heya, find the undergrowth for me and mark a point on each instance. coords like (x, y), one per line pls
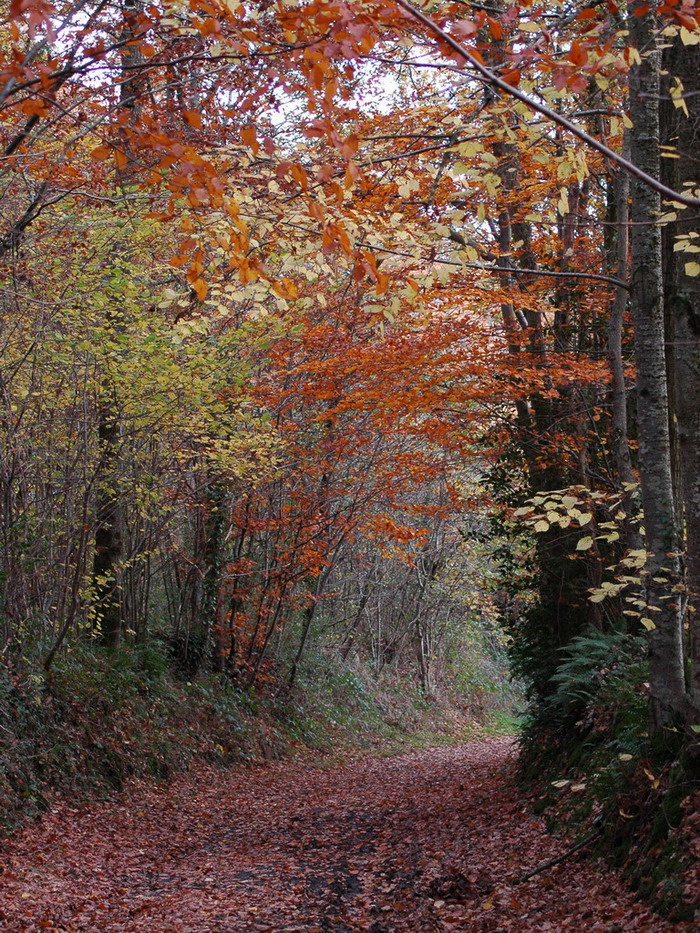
(336, 707)
(587, 749)
(99, 719)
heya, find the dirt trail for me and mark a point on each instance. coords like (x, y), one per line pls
(425, 842)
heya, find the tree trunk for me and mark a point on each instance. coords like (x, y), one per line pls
(666, 676)
(207, 626)
(109, 526)
(619, 434)
(109, 515)
(681, 129)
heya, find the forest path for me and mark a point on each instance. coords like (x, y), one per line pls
(429, 841)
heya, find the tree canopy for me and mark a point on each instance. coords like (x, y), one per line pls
(295, 293)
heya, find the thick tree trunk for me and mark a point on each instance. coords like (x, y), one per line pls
(666, 675)
(681, 130)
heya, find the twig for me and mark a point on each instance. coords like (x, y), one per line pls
(560, 858)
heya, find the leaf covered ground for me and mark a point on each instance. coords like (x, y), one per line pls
(430, 841)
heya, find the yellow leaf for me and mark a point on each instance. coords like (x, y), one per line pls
(688, 37)
(584, 544)
(563, 205)
(692, 269)
(647, 623)
(652, 777)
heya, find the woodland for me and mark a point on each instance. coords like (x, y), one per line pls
(350, 392)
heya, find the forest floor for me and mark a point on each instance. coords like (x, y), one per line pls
(435, 840)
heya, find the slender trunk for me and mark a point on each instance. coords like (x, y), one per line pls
(308, 617)
(619, 435)
(208, 617)
(109, 514)
(109, 527)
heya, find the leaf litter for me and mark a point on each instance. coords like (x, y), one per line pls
(430, 841)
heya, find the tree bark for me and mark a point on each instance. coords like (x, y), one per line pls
(680, 129)
(666, 675)
(619, 431)
(110, 509)
(109, 526)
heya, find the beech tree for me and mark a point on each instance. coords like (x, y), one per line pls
(274, 273)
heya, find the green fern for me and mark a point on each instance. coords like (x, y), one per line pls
(595, 664)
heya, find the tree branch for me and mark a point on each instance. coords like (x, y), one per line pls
(493, 79)
(14, 235)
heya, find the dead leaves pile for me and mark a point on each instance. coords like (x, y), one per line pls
(430, 841)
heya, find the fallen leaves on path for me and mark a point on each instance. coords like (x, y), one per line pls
(430, 841)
